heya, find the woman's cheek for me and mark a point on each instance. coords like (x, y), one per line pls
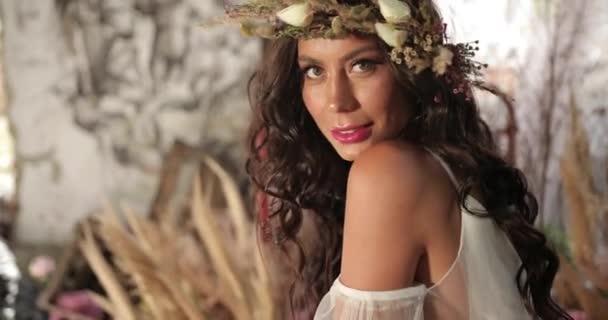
(313, 102)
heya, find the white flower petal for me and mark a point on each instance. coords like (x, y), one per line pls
(388, 33)
(394, 11)
(297, 15)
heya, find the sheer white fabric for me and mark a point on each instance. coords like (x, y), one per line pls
(479, 285)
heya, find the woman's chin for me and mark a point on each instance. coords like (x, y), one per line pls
(350, 152)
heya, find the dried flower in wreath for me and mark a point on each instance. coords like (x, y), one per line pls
(416, 36)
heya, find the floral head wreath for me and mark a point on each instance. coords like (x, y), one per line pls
(417, 37)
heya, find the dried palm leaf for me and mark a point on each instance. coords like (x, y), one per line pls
(192, 271)
(207, 229)
(123, 309)
(234, 200)
(245, 236)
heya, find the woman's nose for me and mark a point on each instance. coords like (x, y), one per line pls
(340, 93)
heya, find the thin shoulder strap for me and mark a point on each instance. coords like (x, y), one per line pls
(446, 168)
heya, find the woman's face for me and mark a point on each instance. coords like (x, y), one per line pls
(351, 93)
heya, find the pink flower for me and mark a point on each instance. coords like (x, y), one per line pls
(79, 302)
(41, 267)
(578, 315)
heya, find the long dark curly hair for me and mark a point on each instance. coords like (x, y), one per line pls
(292, 162)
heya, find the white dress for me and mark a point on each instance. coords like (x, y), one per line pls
(479, 285)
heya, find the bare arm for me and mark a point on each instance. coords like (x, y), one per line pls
(384, 230)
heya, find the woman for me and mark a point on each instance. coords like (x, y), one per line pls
(365, 125)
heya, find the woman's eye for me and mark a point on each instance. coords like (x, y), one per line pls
(313, 72)
(364, 66)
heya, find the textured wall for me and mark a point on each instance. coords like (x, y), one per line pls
(99, 89)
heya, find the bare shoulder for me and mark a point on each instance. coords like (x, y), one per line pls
(386, 210)
(397, 164)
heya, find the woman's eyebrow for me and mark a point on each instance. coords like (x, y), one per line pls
(359, 51)
(303, 59)
(346, 57)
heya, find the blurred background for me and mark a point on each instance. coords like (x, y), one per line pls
(110, 109)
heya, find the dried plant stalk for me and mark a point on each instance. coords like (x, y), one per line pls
(245, 236)
(236, 208)
(120, 300)
(152, 269)
(207, 228)
(585, 204)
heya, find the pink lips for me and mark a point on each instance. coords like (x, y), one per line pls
(352, 134)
